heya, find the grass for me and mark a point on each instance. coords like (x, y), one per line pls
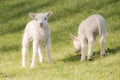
(66, 18)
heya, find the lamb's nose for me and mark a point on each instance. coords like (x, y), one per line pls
(41, 24)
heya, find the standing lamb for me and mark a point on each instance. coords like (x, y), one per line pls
(39, 32)
(87, 32)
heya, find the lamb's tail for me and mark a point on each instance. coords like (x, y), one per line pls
(99, 27)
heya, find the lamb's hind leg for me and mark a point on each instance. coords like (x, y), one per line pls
(83, 49)
(91, 41)
(25, 46)
(40, 53)
(102, 44)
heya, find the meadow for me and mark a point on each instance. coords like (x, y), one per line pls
(67, 15)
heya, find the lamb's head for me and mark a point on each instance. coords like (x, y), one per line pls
(42, 18)
(76, 43)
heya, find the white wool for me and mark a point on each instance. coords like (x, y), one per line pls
(87, 32)
(39, 32)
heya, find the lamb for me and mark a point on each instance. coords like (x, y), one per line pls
(88, 30)
(39, 32)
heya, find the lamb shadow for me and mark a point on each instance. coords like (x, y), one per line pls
(113, 50)
(76, 57)
(72, 58)
(110, 50)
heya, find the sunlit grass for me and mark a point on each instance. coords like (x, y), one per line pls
(67, 15)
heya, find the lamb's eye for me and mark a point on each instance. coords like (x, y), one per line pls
(45, 18)
(36, 19)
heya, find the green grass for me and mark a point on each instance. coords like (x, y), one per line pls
(67, 15)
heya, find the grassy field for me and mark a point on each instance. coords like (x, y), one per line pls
(67, 15)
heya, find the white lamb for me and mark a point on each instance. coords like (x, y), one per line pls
(39, 32)
(87, 32)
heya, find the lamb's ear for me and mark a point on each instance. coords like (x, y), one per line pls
(73, 37)
(32, 15)
(48, 14)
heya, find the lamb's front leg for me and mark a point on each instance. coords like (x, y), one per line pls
(83, 50)
(83, 53)
(48, 50)
(35, 51)
(25, 45)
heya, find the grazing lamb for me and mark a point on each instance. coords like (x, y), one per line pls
(87, 32)
(39, 32)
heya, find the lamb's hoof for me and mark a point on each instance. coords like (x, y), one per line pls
(50, 62)
(89, 58)
(82, 59)
(23, 64)
(41, 61)
(32, 66)
(102, 55)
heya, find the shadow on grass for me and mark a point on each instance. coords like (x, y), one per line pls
(28, 6)
(19, 12)
(78, 8)
(9, 48)
(72, 58)
(110, 50)
(113, 50)
(96, 55)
